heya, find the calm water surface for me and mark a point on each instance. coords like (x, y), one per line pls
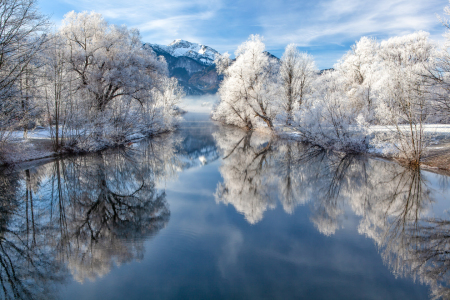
(216, 213)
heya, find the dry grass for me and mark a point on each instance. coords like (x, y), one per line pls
(438, 158)
(31, 149)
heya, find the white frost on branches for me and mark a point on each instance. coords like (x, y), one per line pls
(247, 92)
(400, 84)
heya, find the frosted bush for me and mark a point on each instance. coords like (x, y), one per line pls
(331, 120)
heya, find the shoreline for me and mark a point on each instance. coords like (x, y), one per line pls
(38, 147)
(437, 160)
(23, 151)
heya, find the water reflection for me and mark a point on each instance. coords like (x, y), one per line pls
(102, 211)
(426, 255)
(27, 265)
(394, 203)
(247, 177)
(258, 170)
(77, 218)
(81, 215)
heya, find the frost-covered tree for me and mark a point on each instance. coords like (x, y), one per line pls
(404, 102)
(439, 76)
(161, 114)
(359, 68)
(102, 87)
(108, 59)
(222, 62)
(330, 120)
(56, 88)
(297, 74)
(21, 38)
(248, 89)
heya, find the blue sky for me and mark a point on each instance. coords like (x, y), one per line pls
(324, 28)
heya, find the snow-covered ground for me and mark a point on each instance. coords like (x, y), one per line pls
(41, 133)
(37, 145)
(439, 134)
(428, 128)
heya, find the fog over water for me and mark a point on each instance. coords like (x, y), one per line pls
(200, 104)
(213, 212)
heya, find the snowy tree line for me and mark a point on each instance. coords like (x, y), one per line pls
(91, 82)
(397, 85)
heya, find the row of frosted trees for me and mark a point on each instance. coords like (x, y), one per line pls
(92, 83)
(378, 95)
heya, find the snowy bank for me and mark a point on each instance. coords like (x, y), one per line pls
(37, 145)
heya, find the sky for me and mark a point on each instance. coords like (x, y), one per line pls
(323, 28)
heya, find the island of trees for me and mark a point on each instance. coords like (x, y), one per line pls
(380, 96)
(94, 86)
(92, 83)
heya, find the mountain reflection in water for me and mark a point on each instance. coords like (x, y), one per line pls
(78, 218)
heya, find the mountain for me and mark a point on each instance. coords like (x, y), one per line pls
(200, 53)
(272, 56)
(192, 64)
(325, 70)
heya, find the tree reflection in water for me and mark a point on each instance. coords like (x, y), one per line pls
(27, 266)
(393, 202)
(247, 183)
(82, 215)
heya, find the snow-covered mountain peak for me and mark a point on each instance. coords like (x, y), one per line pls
(198, 52)
(180, 42)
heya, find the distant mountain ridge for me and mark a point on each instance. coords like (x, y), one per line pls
(192, 64)
(200, 53)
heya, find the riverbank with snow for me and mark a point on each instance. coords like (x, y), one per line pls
(436, 155)
(38, 145)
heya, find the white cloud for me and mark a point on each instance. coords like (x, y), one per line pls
(158, 21)
(337, 21)
(224, 24)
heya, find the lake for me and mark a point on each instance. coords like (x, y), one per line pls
(213, 212)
